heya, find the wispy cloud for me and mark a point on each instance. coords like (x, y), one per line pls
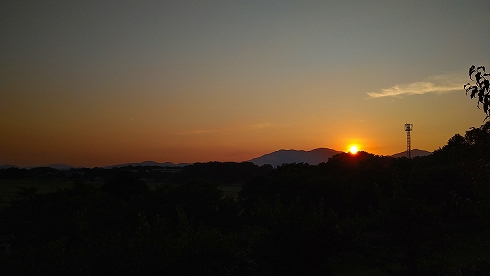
(436, 84)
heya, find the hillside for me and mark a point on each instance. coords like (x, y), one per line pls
(414, 153)
(312, 157)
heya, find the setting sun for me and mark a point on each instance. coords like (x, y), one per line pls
(353, 149)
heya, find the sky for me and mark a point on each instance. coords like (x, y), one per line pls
(96, 83)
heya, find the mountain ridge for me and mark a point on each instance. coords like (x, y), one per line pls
(413, 153)
(147, 163)
(275, 158)
(283, 156)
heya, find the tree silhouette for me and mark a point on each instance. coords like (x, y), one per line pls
(481, 87)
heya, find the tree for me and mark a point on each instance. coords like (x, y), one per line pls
(481, 87)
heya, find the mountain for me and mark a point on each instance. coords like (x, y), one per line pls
(147, 163)
(413, 153)
(313, 157)
(63, 167)
(60, 167)
(7, 167)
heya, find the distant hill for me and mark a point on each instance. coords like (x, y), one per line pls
(61, 167)
(7, 167)
(413, 153)
(313, 157)
(147, 163)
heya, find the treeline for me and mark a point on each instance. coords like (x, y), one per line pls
(223, 173)
(92, 175)
(354, 215)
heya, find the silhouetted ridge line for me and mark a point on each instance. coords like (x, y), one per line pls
(414, 153)
(313, 157)
(147, 163)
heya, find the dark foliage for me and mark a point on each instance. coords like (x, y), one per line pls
(355, 214)
(481, 88)
(219, 173)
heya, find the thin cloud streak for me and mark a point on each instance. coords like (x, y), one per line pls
(438, 84)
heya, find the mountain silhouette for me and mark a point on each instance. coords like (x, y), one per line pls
(313, 157)
(60, 167)
(3, 167)
(276, 158)
(147, 163)
(413, 153)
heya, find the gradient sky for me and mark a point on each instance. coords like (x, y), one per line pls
(95, 83)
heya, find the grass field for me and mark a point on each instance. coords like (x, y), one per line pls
(9, 189)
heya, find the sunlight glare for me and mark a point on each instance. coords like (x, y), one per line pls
(353, 149)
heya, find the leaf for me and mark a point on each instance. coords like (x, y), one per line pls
(478, 76)
(481, 93)
(481, 67)
(486, 85)
(473, 92)
(471, 71)
(485, 106)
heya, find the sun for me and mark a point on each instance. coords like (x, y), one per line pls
(353, 149)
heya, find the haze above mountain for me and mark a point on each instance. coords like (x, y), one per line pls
(276, 158)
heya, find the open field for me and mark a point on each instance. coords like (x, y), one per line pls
(9, 189)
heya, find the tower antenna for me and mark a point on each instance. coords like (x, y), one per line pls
(408, 128)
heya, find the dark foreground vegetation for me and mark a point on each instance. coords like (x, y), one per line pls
(354, 215)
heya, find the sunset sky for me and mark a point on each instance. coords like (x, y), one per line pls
(96, 83)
